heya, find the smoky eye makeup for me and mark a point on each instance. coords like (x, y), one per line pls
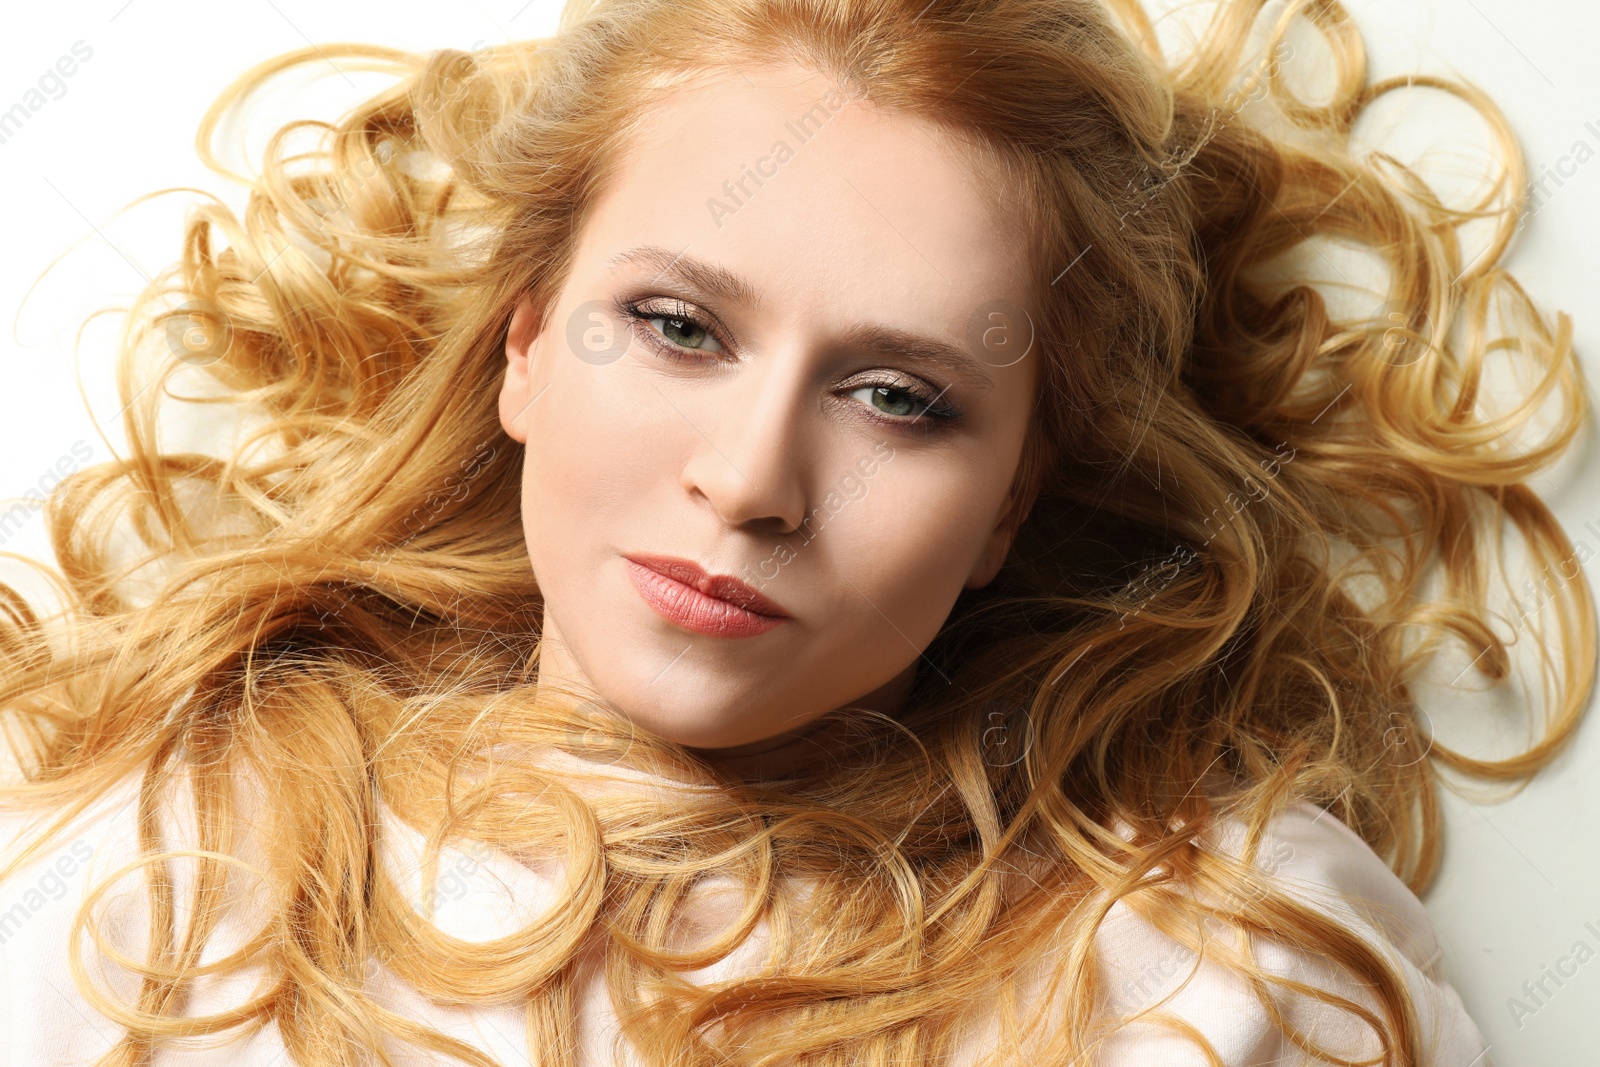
(681, 333)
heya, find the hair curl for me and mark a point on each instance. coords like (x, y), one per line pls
(1206, 613)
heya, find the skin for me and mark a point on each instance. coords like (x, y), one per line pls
(878, 218)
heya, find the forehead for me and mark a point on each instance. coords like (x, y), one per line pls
(821, 201)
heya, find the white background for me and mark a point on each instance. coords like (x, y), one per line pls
(1520, 876)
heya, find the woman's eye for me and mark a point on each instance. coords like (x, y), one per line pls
(678, 331)
(905, 407)
(890, 401)
(676, 336)
(686, 333)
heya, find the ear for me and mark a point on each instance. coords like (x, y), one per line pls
(516, 395)
(1012, 515)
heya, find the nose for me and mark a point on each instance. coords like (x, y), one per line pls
(748, 463)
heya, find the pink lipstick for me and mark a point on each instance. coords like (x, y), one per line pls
(719, 605)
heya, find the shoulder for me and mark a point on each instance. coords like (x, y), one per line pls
(95, 859)
(1323, 864)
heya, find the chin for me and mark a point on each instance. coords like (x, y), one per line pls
(678, 717)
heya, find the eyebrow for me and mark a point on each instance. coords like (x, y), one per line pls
(724, 284)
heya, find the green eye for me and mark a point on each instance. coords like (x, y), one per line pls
(673, 334)
(685, 333)
(890, 401)
(906, 404)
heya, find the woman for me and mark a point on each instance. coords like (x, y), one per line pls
(788, 533)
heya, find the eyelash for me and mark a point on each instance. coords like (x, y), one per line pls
(934, 416)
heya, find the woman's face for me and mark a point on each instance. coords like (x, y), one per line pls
(821, 391)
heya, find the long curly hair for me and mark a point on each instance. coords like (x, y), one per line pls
(1212, 610)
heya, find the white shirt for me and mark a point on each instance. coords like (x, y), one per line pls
(482, 893)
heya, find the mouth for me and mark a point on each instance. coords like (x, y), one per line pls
(717, 605)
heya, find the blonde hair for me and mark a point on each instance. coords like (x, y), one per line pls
(343, 608)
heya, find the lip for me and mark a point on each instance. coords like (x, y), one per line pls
(718, 605)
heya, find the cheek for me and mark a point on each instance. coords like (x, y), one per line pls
(909, 551)
(595, 451)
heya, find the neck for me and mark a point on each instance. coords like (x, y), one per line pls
(808, 746)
